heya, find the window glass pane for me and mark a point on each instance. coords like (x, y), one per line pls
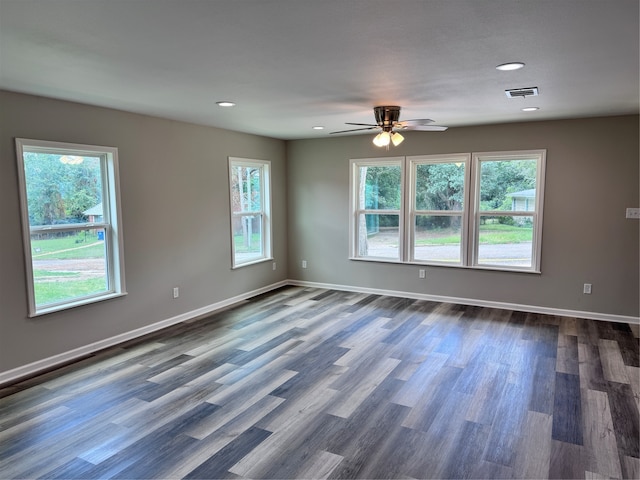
(62, 189)
(379, 236)
(440, 186)
(247, 238)
(506, 241)
(68, 265)
(437, 238)
(379, 187)
(508, 185)
(246, 189)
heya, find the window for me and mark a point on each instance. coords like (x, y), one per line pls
(378, 213)
(250, 211)
(481, 211)
(507, 225)
(438, 208)
(71, 224)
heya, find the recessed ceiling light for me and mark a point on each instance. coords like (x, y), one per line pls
(510, 66)
(225, 103)
(318, 127)
(530, 109)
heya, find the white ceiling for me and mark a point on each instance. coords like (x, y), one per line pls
(293, 64)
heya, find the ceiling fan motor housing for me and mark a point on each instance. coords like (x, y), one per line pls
(387, 116)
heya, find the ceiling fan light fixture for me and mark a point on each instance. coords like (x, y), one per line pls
(382, 139)
(396, 139)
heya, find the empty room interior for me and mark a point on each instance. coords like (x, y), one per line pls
(331, 239)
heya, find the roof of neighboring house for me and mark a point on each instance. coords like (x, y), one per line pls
(523, 194)
(95, 210)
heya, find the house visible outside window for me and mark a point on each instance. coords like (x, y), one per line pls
(507, 225)
(481, 210)
(249, 183)
(71, 224)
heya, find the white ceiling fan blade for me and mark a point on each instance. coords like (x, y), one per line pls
(426, 128)
(355, 130)
(415, 122)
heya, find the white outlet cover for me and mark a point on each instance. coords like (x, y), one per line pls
(633, 213)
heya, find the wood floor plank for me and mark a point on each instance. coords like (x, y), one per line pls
(218, 464)
(306, 382)
(612, 363)
(567, 460)
(634, 377)
(285, 430)
(466, 460)
(534, 455)
(600, 438)
(320, 465)
(630, 466)
(567, 358)
(567, 409)
(211, 444)
(625, 418)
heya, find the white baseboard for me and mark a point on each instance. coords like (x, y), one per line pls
(10, 376)
(51, 362)
(475, 302)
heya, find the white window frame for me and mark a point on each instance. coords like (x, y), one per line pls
(111, 222)
(536, 248)
(413, 212)
(265, 201)
(471, 212)
(356, 211)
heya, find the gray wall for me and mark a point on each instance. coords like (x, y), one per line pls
(591, 177)
(175, 208)
(176, 229)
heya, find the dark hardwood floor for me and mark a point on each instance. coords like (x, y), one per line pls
(310, 383)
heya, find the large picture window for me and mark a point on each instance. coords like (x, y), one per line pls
(71, 224)
(249, 184)
(481, 210)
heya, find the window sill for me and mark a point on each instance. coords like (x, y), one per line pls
(496, 268)
(253, 262)
(77, 303)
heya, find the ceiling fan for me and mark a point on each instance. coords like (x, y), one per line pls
(388, 119)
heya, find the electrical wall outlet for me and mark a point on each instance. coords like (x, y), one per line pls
(421, 273)
(304, 264)
(633, 213)
(586, 289)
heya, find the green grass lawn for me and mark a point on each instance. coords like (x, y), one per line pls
(52, 292)
(76, 246)
(239, 246)
(494, 233)
(65, 286)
